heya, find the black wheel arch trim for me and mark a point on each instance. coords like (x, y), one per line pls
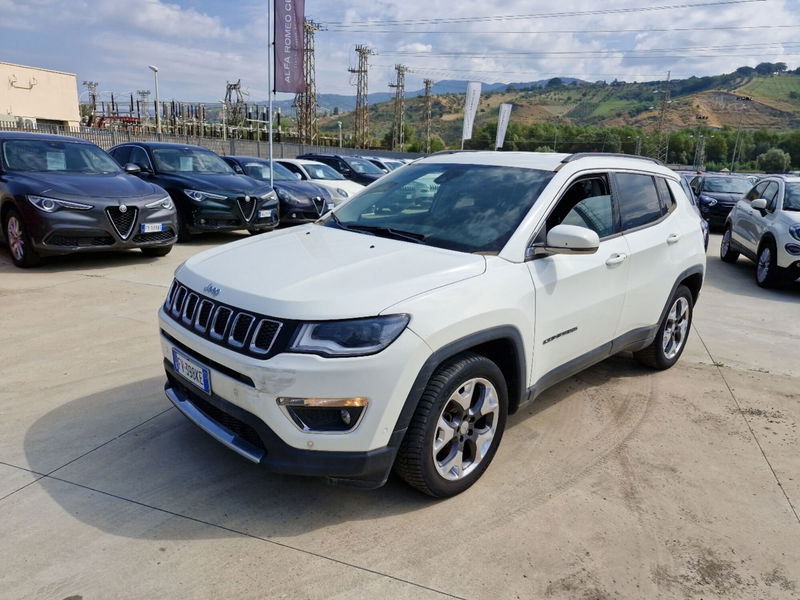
(503, 333)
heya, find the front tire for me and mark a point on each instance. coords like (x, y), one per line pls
(670, 340)
(457, 427)
(156, 251)
(768, 273)
(19, 242)
(726, 253)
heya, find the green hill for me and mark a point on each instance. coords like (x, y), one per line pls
(745, 100)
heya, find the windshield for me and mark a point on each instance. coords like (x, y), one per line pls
(791, 201)
(393, 164)
(260, 170)
(359, 165)
(320, 171)
(189, 160)
(470, 208)
(57, 157)
(731, 185)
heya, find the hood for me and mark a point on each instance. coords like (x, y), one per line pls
(69, 186)
(313, 272)
(303, 189)
(222, 183)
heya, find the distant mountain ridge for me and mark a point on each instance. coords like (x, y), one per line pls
(346, 103)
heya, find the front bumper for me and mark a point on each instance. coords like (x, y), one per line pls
(67, 231)
(226, 215)
(247, 388)
(717, 214)
(247, 435)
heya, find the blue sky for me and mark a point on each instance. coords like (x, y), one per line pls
(199, 44)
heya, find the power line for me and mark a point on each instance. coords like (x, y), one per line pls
(561, 31)
(510, 54)
(575, 13)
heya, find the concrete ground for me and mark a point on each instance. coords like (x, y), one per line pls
(618, 483)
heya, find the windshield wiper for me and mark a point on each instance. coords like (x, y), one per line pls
(410, 236)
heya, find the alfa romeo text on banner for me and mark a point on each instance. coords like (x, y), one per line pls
(470, 108)
(289, 46)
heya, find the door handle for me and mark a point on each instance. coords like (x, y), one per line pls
(673, 237)
(616, 259)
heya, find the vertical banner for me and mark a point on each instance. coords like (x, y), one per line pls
(502, 125)
(289, 46)
(470, 108)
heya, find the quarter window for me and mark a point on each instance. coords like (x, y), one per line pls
(756, 192)
(139, 157)
(638, 200)
(667, 200)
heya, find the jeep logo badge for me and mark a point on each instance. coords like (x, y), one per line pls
(212, 289)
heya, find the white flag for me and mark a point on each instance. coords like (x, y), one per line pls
(470, 108)
(502, 125)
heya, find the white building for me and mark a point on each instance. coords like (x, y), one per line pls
(34, 97)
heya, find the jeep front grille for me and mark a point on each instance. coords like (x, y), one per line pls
(243, 331)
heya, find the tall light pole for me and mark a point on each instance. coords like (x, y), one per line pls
(154, 69)
(339, 124)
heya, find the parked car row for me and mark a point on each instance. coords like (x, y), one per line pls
(61, 195)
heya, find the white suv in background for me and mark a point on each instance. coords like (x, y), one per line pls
(400, 331)
(765, 227)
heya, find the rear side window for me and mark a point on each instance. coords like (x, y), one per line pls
(638, 200)
(667, 200)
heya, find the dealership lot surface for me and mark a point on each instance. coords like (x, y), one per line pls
(618, 483)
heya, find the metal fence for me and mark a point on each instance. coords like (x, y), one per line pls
(106, 138)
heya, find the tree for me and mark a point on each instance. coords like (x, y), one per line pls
(555, 82)
(543, 149)
(745, 70)
(780, 67)
(335, 110)
(774, 160)
(765, 68)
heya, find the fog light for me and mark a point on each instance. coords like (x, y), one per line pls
(793, 249)
(329, 415)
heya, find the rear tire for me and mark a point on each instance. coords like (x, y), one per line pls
(670, 340)
(156, 251)
(19, 242)
(726, 252)
(768, 273)
(456, 428)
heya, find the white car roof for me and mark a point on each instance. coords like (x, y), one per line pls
(550, 161)
(300, 161)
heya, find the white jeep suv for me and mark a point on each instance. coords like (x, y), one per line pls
(765, 227)
(399, 332)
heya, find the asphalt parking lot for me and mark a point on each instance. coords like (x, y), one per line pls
(618, 483)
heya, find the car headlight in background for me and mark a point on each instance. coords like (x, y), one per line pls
(355, 337)
(199, 196)
(289, 197)
(342, 193)
(794, 231)
(165, 203)
(707, 200)
(49, 205)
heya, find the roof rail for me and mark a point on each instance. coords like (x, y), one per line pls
(440, 152)
(578, 155)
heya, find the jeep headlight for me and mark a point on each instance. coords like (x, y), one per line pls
(355, 337)
(708, 200)
(794, 231)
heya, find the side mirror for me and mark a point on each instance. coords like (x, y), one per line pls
(759, 204)
(566, 239)
(238, 169)
(132, 169)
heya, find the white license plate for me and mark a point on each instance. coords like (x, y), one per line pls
(331, 206)
(191, 371)
(264, 214)
(152, 227)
